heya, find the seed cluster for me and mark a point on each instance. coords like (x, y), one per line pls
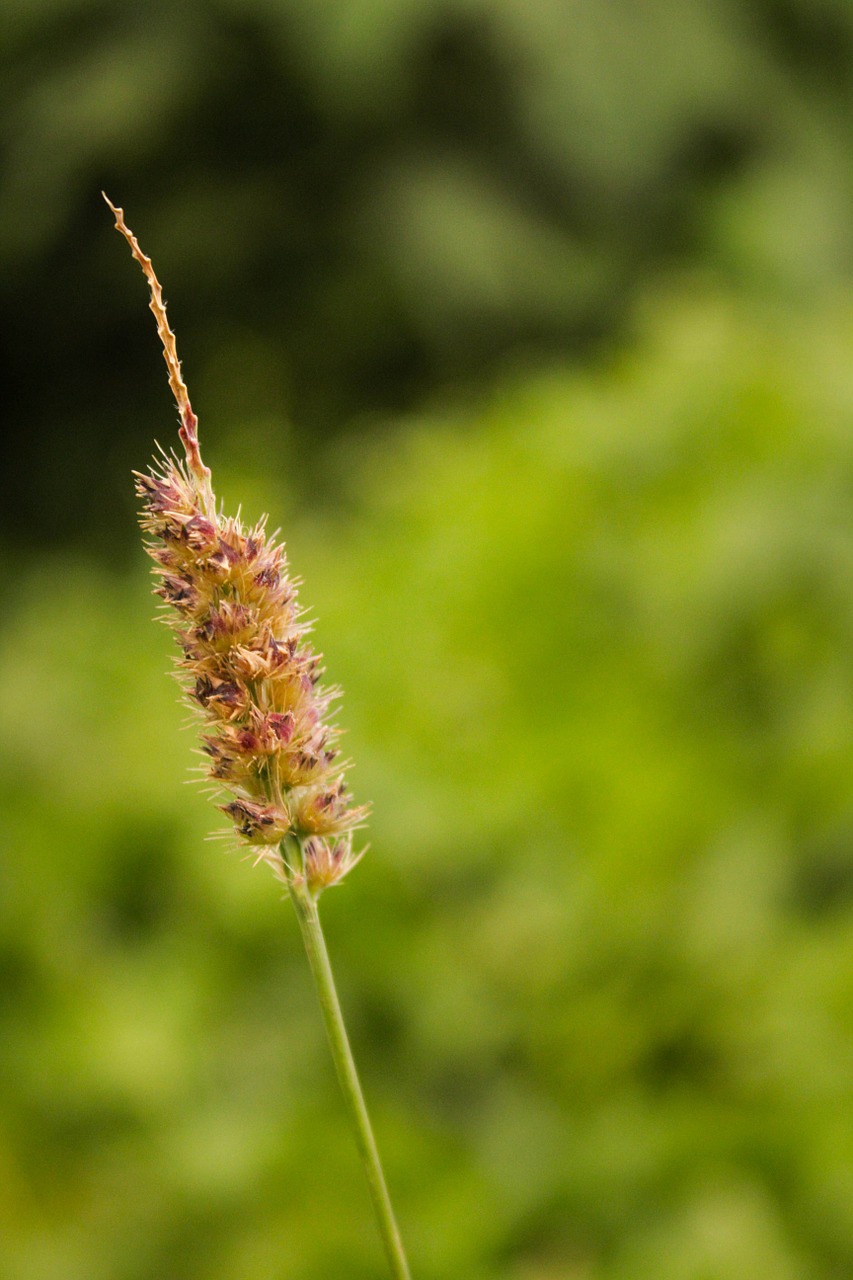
(246, 664)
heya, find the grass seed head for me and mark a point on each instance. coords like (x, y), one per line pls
(246, 665)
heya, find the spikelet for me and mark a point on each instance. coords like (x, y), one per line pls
(246, 666)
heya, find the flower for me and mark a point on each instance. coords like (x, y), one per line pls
(246, 664)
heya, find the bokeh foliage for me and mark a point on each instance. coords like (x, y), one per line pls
(353, 205)
(530, 323)
(595, 640)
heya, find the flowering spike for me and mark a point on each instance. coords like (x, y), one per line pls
(245, 664)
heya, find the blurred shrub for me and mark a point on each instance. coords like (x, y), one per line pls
(595, 643)
(352, 205)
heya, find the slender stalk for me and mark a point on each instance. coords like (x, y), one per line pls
(318, 958)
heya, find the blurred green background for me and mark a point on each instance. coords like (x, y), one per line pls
(531, 323)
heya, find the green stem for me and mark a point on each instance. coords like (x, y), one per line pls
(318, 958)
